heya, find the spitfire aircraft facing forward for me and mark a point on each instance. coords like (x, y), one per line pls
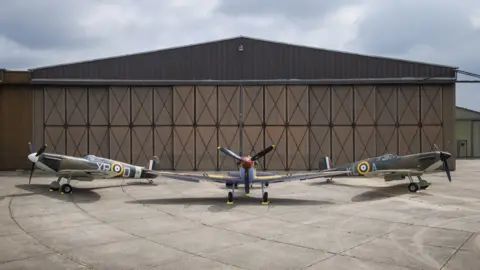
(87, 168)
(392, 167)
(247, 174)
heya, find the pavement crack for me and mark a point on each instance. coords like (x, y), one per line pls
(456, 251)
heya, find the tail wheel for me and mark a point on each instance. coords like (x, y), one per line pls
(230, 196)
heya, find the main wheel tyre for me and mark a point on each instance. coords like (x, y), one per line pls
(413, 187)
(230, 197)
(265, 197)
(66, 188)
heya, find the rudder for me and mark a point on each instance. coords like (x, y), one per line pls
(152, 163)
(325, 164)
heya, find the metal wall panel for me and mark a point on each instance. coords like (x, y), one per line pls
(258, 59)
(182, 125)
(16, 122)
(206, 148)
(163, 140)
(184, 148)
(206, 105)
(229, 105)
(476, 139)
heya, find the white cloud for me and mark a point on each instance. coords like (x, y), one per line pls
(35, 34)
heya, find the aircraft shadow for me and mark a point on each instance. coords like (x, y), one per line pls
(380, 193)
(80, 194)
(216, 202)
(377, 193)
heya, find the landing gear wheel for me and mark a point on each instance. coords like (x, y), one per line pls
(230, 198)
(413, 187)
(66, 188)
(266, 184)
(265, 198)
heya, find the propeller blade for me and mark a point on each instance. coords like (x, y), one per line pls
(31, 173)
(447, 170)
(263, 152)
(41, 150)
(228, 152)
(444, 156)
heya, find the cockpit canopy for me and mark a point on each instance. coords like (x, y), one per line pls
(92, 158)
(386, 157)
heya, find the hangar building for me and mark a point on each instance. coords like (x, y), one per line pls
(467, 133)
(243, 93)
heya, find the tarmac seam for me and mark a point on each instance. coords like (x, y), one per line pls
(456, 251)
(46, 246)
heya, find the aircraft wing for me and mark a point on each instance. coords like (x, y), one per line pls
(405, 172)
(213, 177)
(294, 177)
(85, 173)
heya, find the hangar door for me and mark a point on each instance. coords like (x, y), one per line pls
(183, 125)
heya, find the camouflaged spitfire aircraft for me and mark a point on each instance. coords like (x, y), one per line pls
(393, 167)
(87, 168)
(247, 174)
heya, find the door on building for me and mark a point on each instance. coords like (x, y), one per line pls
(462, 146)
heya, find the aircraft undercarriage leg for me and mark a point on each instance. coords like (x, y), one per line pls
(423, 184)
(231, 194)
(55, 185)
(66, 188)
(412, 187)
(265, 195)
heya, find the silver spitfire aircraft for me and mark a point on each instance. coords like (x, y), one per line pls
(87, 168)
(248, 175)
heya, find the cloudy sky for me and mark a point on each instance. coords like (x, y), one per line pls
(37, 33)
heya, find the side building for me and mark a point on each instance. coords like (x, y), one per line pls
(468, 133)
(243, 93)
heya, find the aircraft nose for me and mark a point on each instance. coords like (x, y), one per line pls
(445, 155)
(33, 158)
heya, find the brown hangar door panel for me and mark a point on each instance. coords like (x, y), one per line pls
(129, 124)
(15, 127)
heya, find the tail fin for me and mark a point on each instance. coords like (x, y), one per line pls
(325, 164)
(152, 163)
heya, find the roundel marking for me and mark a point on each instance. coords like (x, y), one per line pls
(363, 167)
(118, 168)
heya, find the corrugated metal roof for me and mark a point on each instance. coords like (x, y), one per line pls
(243, 58)
(462, 113)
